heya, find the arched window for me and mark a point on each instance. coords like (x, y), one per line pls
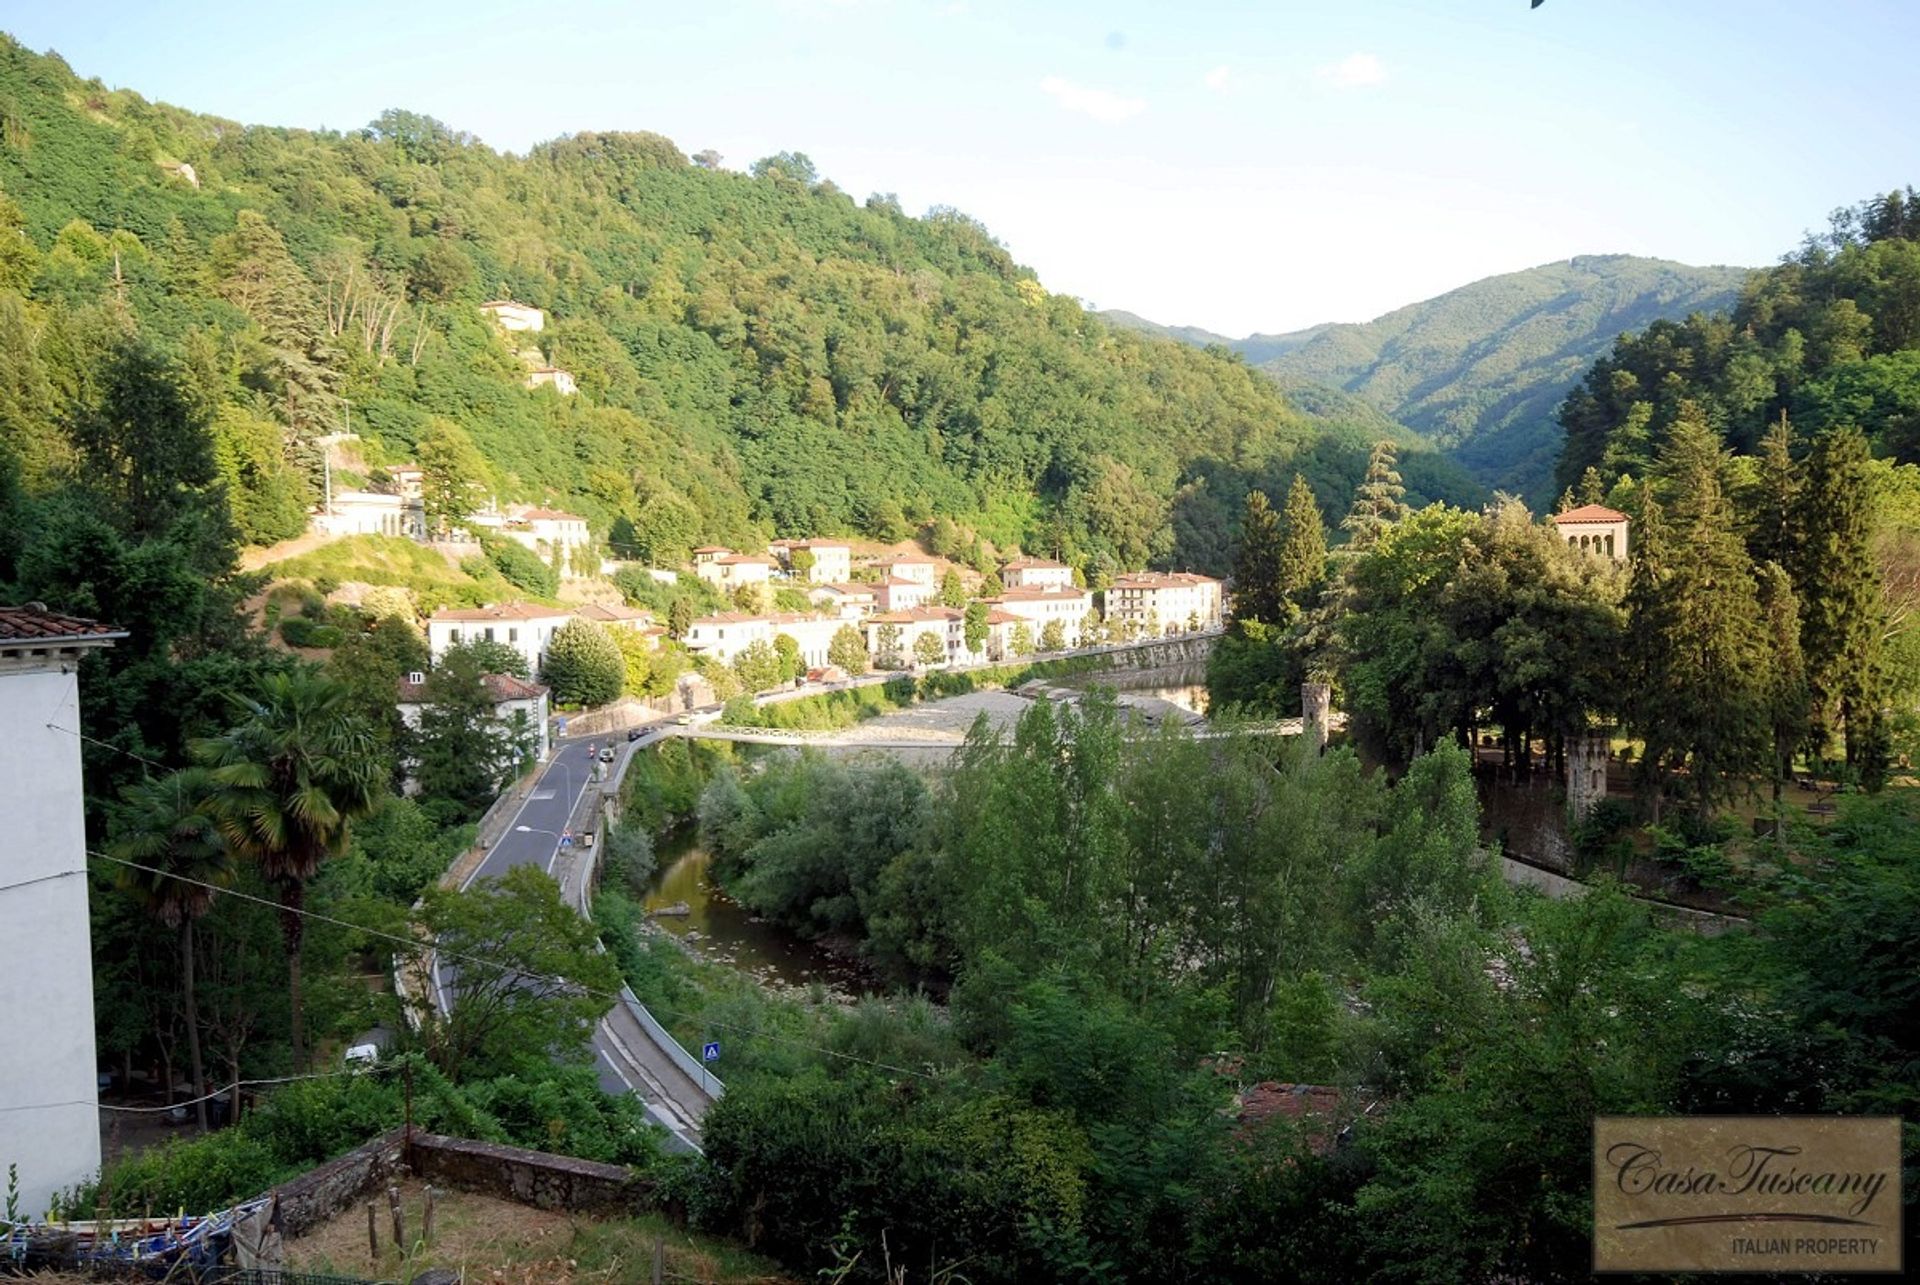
(1609, 544)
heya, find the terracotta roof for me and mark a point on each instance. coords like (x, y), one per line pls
(34, 623)
(1034, 593)
(502, 687)
(744, 559)
(995, 616)
(498, 611)
(904, 560)
(847, 589)
(728, 618)
(1161, 580)
(909, 615)
(713, 548)
(1590, 513)
(1047, 563)
(551, 515)
(808, 544)
(609, 613)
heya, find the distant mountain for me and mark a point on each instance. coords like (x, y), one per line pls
(1481, 370)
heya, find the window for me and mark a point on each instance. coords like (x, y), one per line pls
(489, 633)
(453, 636)
(513, 635)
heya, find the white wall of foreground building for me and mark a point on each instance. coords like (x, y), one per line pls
(49, 1113)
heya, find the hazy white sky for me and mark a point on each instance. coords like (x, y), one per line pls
(1241, 166)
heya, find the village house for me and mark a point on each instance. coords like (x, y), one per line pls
(846, 600)
(509, 315)
(520, 625)
(726, 634)
(49, 1118)
(709, 552)
(616, 616)
(896, 594)
(1157, 603)
(812, 634)
(947, 624)
(547, 531)
(518, 703)
(406, 480)
(372, 513)
(1042, 607)
(1001, 625)
(1036, 573)
(832, 560)
(728, 571)
(561, 381)
(906, 567)
(1594, 528)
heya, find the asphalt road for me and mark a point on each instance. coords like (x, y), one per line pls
(626, 1058)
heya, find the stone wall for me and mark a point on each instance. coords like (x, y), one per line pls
(531, 1177)
(336, 1186)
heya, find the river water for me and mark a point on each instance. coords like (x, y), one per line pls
(721, 929)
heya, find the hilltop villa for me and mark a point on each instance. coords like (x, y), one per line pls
(1594, 528)
(520, 625)
(1163, 602)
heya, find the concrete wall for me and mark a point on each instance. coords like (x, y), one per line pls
(530, 1177)
(333, 1188)
(47, 1060)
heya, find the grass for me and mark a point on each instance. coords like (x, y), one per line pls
(393, 560)
(487, 1239)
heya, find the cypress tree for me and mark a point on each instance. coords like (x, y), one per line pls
(1303, 548)
(1593, 488)
(1698, 653)
(1772, 502)
(1377, 501)
(1838, 581)
(1257, 593)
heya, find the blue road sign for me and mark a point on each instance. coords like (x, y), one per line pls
(566, 838)
(560, 726)
(710, 1051)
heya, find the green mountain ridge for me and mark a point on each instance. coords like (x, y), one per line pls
(1481, 370)
(757, 354)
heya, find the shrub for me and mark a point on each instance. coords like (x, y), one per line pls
(523, 568)
(300, 631)
(584, 665)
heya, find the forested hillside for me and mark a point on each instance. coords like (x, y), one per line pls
(756, 354)
(1480, 370)
(1829, 337)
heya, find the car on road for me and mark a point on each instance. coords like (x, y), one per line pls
(634, 734)
(606, 755)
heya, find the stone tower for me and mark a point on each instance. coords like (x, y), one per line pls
(1316, 707)
(1586, 774)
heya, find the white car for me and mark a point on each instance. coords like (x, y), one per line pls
(363, 1055)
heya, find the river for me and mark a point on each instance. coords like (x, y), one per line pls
(721, 929)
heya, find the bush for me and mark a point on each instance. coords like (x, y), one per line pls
(584, 665)
(301, 631)
(523, 568)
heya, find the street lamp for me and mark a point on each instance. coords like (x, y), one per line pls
(557, 841)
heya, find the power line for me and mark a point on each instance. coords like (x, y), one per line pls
(174, 1106)
(414, 943)
(109, 745)
(28, 883)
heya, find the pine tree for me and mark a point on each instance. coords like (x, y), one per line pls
(1377, 502)
(1565, 502)
(1256, 569)
(1786, 675)
(1303, 547)
(1593, 487)
(1838, 581)
(1772, 501)
(1698, 657)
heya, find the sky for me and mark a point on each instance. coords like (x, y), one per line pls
(1254, 166)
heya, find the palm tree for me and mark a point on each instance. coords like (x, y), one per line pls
(290, 779)
(168, 827)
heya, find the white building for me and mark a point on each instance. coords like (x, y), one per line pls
(1164, 602)
(849, 601)
(709, 552)
(1042, 607)
(895, 594)
(1036, 573)
(545, 531)
(812, 634)
(509, 315)
(520, 625)
(832, 560)
(407, 480)
(905, 567)
(729, 571)
(726, 634)
(515, 700)
(947, 624)
(49, 1112)
(561, 381)
(1594, 528)
(616, 616)
(372, 513)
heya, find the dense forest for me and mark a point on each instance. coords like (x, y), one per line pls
(756, 353)
(1479, 370)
